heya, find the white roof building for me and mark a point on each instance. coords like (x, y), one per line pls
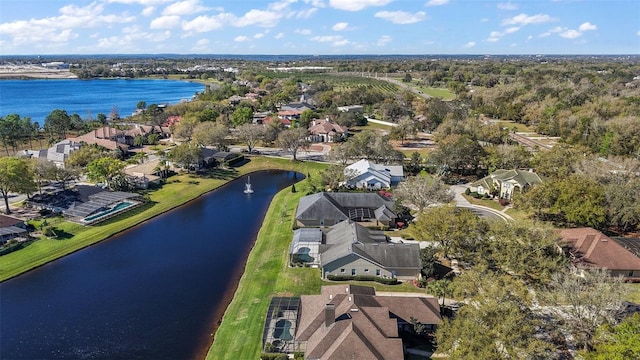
(366, 174)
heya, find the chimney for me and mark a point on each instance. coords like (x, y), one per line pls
(329, 314)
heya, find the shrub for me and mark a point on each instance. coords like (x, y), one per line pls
(386, 281)
(467, 192)
(274, 356)
(503, 202)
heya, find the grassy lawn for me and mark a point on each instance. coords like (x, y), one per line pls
(519, 127)
(444, 94)
(484, 202)
(634, 293)
(178, 190)
(266, 275)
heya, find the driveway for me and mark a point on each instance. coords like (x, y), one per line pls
(482, 211)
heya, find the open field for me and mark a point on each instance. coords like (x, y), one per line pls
(443, 94)
(179, 190)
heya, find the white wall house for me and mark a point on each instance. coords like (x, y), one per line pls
(369, 175)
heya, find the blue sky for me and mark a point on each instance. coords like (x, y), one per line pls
(319, 27)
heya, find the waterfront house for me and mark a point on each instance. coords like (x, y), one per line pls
(108, 137)
(11, 228)
(330, 208)
(352, 322)
(350, 249)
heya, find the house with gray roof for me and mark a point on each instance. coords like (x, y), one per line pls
(11, 227)
(506, 182)
(351, 249)
(330, 208)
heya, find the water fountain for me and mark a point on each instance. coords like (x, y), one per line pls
(247, 186)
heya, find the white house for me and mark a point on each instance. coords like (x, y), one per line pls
(366, 174)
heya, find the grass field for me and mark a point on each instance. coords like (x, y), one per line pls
(179, 190)
(266, 275)
(443, 94)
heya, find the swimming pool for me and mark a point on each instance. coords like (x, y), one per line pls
(118, 208)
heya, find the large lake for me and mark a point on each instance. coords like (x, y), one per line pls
(150, 293)
(37, 98)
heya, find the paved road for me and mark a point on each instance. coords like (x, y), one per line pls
(482, 211)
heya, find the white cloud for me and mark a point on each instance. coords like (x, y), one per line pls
(141, 2)
(638, 33)
(401, 17)
(587, 26)
(436, 2)
(186, 7)
(484, 20)
(202, 42)
(279, 35)
(148, 11)
(303, 31)
(340, 26)
(259, 18)
(570, 34)
(281, 5)
(356, 5)
(165, 22)
(315, 3)
(470, 44)
(343, 42)
(258, 36)
(507, 6)
(60, 29)
(496, 35)
(384, 40)
(241, 38)
(201, 46)
(524, 19)
(327, 38)
(305, 14)
(205, 23)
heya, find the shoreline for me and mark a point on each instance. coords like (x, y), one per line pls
(144, 219)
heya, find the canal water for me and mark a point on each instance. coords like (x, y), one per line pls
(151, 292)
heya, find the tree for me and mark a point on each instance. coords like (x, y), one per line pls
(332, 176)
(106, 170)
(46, 170)
(141, 105)
(250, 134)
(577, 199)
(583, 303)
(428, 260)
(440, 288)
(306, 117)
(10, 132)
(242, 115)
(496, 322)
(529, 251)
(184, 129)
(617, 342)
(423, 191)
(622, 199)
(459, 154)
(405, 127)
(186, 155)
(293, 140)
(58, 123)
(457, 232)
(86, 154)
(211, 134)
(16, 176)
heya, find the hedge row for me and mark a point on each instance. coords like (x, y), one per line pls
(386, 281)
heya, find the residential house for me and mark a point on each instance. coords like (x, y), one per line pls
(142, 175)
(505, 182)
(326, 131)
(57, 154)
(289, 115)
(351, 108)
(10, 228)
(92, 204)
(365, 174)
(330, 208)
(298, 106)
(351, 249)
(108, 137)
(588, 248)
(352, 322)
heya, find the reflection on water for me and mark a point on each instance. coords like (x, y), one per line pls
(149, 293)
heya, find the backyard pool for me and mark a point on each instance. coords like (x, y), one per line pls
(121, 206)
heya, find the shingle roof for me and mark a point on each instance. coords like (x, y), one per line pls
(521, 177)
(593, 249)
(365, 325)
(6, 221)
(337, 205)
